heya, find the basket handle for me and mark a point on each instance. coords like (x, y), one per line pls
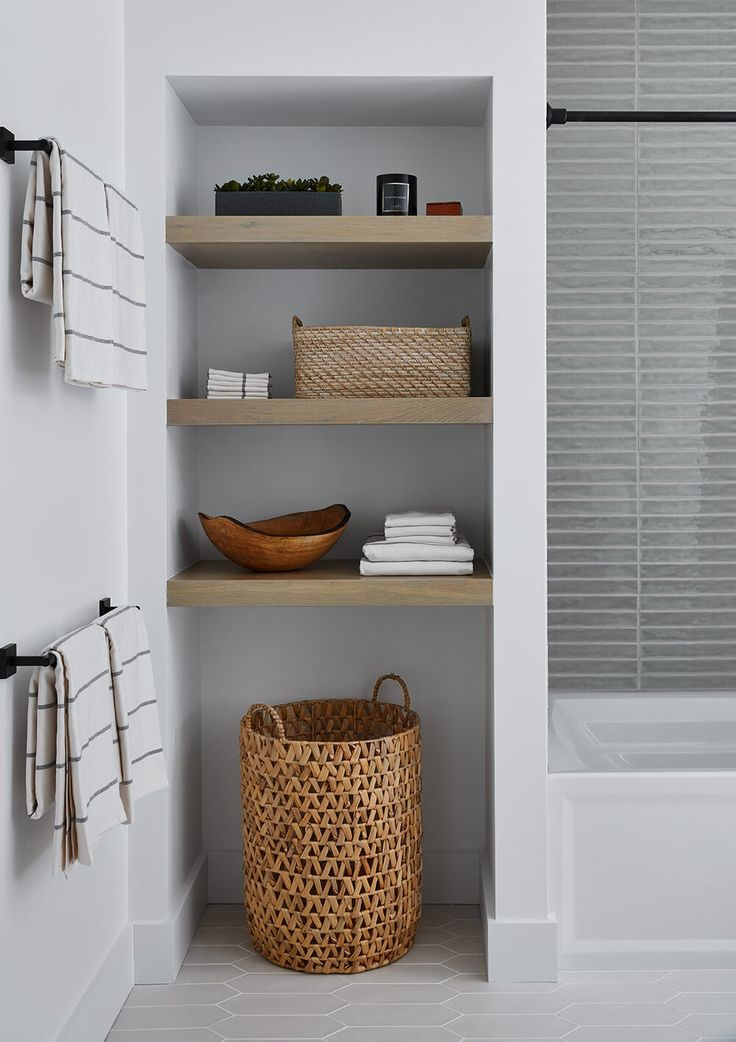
(276, 719)
(296, 323)
(466, 323)
(397, 678)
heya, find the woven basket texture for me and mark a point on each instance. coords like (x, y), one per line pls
(381, 361)
(332, 831)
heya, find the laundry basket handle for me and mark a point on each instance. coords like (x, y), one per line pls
(296, 323)
(397, 678)
(277, 721)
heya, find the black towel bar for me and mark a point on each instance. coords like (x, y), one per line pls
(560, 116)
(10, 659)
(9, 146)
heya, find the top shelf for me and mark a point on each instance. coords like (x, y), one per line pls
(331, 242)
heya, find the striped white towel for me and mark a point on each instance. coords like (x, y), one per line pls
(82, 252)
(72, 758)
(136, 707)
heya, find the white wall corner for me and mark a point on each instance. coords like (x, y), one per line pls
(517, 950)
(160, 947)
(105, 995)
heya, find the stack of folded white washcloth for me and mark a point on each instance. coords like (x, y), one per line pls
(417, 543)
(222, 383)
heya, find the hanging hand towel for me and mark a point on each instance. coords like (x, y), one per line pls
(82, 253)
(378, 549)
(416, 567)
(72, 758)
(128, 290)
(417, 519)
(136, 708)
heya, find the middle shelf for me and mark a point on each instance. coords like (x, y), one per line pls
(328, 582)
(183, 412)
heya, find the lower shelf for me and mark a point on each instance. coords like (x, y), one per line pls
(221, 583)
(198, 412)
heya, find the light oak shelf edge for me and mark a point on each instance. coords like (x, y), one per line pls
(184, 412)
(326, 583)
(331, 242)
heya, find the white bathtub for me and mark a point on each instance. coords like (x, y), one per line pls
(642, 830)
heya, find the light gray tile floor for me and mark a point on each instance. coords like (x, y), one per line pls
(435, 994)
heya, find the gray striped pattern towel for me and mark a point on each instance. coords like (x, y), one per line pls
(136, 708)
(72, 758)
(82, 253)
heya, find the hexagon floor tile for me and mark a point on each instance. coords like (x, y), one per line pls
(435, 994)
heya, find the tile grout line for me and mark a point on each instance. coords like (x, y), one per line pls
(637, 359)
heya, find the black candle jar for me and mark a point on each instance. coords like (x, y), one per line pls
(396, 195)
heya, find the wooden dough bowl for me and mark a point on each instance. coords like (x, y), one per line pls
(278, 544)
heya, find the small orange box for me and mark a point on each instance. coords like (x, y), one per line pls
(444, 209)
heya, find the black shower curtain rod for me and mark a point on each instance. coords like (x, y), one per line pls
(558, 117)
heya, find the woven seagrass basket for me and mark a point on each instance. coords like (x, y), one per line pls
(381, 361)
(332, 831)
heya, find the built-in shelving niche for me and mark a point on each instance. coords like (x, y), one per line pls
(231, 292)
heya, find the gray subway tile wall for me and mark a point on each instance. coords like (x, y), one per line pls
(642, 350)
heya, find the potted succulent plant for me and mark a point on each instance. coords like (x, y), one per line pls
(269, 194)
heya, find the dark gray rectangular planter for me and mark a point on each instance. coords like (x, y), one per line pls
(278, 204)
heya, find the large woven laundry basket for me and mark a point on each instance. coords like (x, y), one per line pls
(332, 831)
(381, 361)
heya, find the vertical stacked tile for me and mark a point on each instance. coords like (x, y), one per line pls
(686, 244)
(593, 528)
(642, 350)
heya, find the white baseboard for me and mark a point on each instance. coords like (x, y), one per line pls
(517, 950)
(160, 947)
(103, 999)
(450, 877)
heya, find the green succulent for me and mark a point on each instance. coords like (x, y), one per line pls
(271, 182)
(228, 186)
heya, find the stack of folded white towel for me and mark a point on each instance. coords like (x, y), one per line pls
(415, 543)
(222, 383)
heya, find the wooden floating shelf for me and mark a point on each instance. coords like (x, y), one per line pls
(195, 412)
(331, 242)
(221, 583)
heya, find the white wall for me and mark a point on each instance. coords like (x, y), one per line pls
(62, 523)
(482, 38)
